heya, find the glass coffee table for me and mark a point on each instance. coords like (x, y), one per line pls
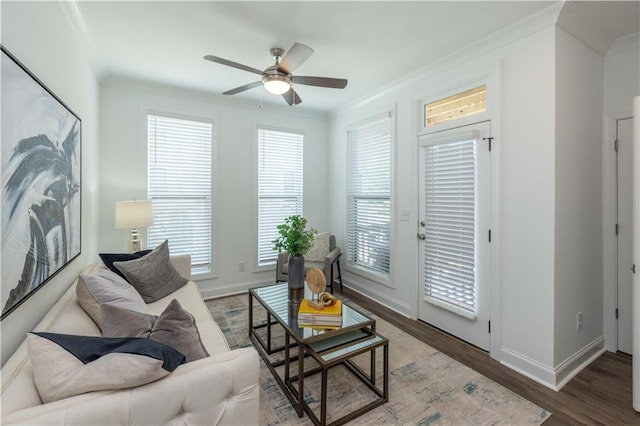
(327, 347)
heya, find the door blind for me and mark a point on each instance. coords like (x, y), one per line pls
(450, 223)
(180, 177)
(279, 186)
(369, 196)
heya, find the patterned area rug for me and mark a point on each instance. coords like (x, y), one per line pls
(425, 386)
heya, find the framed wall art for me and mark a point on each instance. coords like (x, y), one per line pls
(41, 188)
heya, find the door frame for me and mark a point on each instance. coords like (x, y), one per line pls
(495, 261)
(609, 240)
(441, 86)
(636, 254)
(624, 260)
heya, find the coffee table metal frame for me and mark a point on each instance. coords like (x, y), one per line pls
(328, 348)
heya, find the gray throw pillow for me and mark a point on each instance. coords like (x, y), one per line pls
(66, 365)
(175, 327)
(153, 275)
(104, 287)
(109, 258)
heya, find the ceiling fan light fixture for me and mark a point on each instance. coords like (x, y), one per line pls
(278, 78)
(276, 84)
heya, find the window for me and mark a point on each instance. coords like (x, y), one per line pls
(180, 179)
(279, 186)
(369, 196)
(457, 106)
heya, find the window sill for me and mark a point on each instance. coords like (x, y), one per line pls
(204, 276)
(264, 268)
(379, 278)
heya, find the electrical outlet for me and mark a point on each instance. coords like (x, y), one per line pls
(579, 321)
(240, 266)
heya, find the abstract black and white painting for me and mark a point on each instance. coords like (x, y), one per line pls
(41, 169)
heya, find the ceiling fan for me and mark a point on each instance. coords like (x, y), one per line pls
(277, 78)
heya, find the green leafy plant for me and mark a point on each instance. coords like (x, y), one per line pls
(294, 238)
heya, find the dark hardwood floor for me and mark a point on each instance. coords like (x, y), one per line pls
(599, 394)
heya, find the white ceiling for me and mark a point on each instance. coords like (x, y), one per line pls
(369, 43)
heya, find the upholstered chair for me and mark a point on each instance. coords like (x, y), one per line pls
(323, 255)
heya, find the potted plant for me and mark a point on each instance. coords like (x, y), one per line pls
(296, 240)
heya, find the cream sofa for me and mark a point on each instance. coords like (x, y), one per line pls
(221, 389)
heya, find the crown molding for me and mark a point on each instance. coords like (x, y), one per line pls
(523, 28)
(625, 44)
(575, 21)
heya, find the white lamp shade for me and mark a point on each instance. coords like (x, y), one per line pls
(277, 87)
(134, 214)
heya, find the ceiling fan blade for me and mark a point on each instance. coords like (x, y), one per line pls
(294, 57)
(232, 64)
(334, 83)
(291, 97)
(243, 88)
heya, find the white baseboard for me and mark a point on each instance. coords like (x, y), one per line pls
(528, 367)
(230, 289)
(570, 367)
(553, 378)
(369, 291)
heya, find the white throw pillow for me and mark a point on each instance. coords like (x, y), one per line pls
(320, 248)
(66, 365)
(106, 287)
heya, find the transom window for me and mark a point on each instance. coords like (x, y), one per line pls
(460, 105)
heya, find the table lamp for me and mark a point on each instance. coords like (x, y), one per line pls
(133, 215)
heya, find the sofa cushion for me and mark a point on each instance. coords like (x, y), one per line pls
(66, 365)
(320, 248)
(175, 327)
(153, 275)
(105, 287)
(109, 258)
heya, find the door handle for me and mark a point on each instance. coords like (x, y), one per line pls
(422, 236)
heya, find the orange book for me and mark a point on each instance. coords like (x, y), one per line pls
(333, 310)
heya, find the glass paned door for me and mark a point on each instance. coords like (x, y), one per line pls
(454, 231)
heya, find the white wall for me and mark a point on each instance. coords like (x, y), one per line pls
(549, 264)
(524, 72)
(621, 71)
(578, 199)
(42, 37)
(123, 173)
(527, 214)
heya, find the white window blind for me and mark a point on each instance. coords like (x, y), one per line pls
(180, 179)
(450, 216)
(369, 196)
(279, 186)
